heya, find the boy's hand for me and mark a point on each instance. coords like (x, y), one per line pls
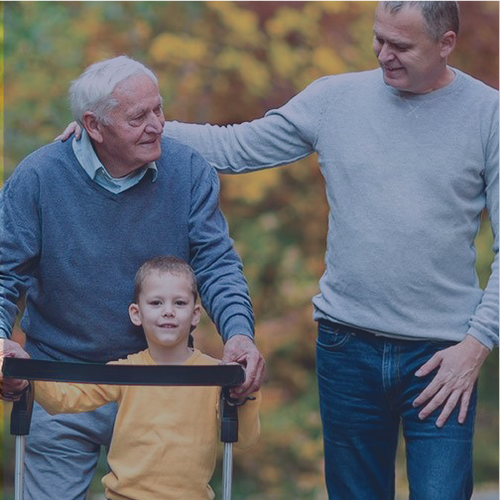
(73, 127)
(242, 350)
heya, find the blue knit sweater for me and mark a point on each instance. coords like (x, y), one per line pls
(74, 248)
(407, 178)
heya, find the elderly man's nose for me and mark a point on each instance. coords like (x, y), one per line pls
(155, 123)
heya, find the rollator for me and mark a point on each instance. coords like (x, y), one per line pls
(225, 376)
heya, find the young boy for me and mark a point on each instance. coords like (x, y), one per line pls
(165, 437)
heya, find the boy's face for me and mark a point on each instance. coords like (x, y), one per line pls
(166, 310)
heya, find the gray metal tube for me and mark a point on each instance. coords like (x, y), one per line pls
(227, 471)
(19, 470)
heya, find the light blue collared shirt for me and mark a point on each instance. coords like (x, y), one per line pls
(97, 171)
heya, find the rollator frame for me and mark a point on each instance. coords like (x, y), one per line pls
(20, 420)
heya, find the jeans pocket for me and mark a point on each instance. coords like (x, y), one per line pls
(331, 338)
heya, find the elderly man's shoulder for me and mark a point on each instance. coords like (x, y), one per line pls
(44, 166)
(47, 157)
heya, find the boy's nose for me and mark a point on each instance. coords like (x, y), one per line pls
(168, 311)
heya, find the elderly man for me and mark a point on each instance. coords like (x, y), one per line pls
(409, 153)
(77, 220)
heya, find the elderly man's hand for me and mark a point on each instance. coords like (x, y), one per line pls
(241, 349)
(458, 369)
(10, 389)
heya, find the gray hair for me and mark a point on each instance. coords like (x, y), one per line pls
(92, 90)
(439, 17)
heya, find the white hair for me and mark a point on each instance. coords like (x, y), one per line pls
(92, 90)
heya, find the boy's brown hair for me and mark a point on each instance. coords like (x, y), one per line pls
(164, 264)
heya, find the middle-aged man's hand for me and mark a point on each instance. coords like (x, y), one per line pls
(10, 389)
(241, 349)
(72, 128)
(454, 381)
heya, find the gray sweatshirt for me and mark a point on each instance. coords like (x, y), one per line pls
(407, 177)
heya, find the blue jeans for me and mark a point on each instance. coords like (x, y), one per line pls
(62, 452)
(366, 388)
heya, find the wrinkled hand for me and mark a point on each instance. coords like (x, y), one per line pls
(241, 349)
(10, 389)
(454, 381)
(72, 128)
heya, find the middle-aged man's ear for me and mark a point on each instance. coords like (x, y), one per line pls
(448, 42)
(92, 126)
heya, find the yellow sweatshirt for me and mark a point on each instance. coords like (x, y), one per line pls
(165, 437)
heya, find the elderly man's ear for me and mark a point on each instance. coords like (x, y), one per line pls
(92, 126)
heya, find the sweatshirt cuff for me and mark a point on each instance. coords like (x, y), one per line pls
(487, 338)
(237, 324)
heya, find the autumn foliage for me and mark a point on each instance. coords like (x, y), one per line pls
(227, 62)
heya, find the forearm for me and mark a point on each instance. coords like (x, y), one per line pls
(282, 136)
(248, 422)
(12, 288)
(246, 147)
(219, 270)
(19, 243)
(226, 298)
(62, 397)
(484, 323)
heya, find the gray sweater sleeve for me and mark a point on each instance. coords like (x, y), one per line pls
(484, 322)
(19, 244)
(218, 268)
(281, 137)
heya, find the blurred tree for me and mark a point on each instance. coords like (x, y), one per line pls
(226, 62)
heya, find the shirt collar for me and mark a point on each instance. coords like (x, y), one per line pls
(90, 162)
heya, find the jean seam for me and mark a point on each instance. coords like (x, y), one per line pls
(391, 387)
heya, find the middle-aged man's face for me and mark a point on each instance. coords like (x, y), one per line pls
(411, 60)
(132, 138)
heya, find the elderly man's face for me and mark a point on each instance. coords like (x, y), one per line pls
(131, 138)
(411, 60)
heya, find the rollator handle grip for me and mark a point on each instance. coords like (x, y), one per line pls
(20, 417)
(229, 418)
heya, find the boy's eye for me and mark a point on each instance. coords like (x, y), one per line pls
(155, 303)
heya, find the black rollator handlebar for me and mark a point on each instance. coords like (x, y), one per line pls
(226, 376)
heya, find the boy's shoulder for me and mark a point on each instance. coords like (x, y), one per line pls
(144, 358)
(137, 358)
(200, 358)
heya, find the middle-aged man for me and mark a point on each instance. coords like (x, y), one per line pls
(409, 153)
(77, 219)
